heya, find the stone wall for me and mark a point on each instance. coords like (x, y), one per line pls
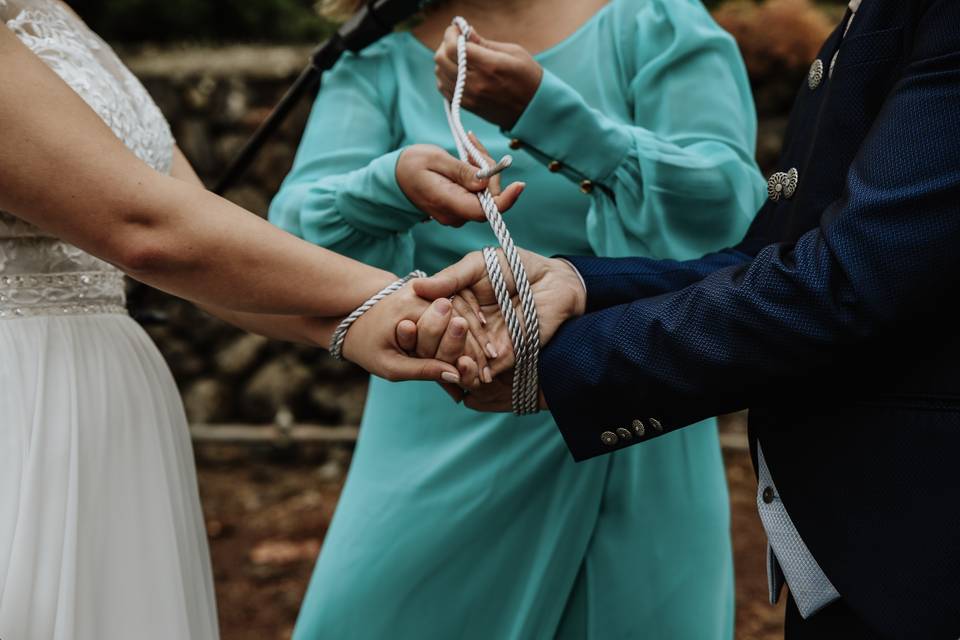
(214, 99)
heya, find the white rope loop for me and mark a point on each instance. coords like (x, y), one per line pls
(525, 338)
(340, 333)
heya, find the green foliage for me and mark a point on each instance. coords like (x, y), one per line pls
(134, 21)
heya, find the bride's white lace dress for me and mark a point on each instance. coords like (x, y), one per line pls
(101, 534)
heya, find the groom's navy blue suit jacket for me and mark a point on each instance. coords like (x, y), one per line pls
(834, 321)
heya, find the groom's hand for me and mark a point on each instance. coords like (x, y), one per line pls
(558, 293)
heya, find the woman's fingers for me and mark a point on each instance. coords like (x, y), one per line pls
(475, 326)
(400, 367)
(471, 299)
(453, 197)
(494, 185)
(449, 44)
(509, 196)
(469, 372)
(445, 70)
(453, 342)
(475, 351)
(407, 336)
(431, 326)
(461, 173)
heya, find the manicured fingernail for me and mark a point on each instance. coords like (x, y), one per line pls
(487, 375)
(452, 378)
(491, 351)
(483, 318)
(442, 306)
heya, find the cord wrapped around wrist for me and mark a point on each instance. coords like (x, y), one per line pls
(340, 333)
(525, 336)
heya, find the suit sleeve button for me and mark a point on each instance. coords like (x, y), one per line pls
(639, 428)
(515, 143)
(609, 438)
(624, 434)
(554, 166)
(655, 424)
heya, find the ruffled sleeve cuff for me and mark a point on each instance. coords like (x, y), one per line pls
(371, 200)
(560, 129)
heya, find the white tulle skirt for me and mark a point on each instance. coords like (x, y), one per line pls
(101, 533)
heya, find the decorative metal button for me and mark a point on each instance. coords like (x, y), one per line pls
(767, 495)
(639, 428)
(554, 166)
(624, 434)
(782, 185)
(655, 424)
(816, 74)
(833, 62)
(515, 143)
(609, 438)
(586, 186)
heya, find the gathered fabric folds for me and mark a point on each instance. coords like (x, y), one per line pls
(101, 533)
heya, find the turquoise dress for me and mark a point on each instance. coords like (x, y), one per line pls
(456, 524)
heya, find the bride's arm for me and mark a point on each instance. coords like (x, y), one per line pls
(63, 170)
(314, 331)
(291, 328)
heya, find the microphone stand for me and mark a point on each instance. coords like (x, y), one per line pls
(322, 59)
(372, 22)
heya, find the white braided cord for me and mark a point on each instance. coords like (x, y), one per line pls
(491, 259)
(340, 333)
(526, 339)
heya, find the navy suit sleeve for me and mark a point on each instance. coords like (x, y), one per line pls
(613, 281)
(886, 250)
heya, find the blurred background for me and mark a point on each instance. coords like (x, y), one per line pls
(274, 424)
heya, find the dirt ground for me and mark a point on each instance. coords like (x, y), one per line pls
(267, 515)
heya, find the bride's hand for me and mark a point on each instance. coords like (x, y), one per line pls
(558, 293)
(445, 188)
(372, 341)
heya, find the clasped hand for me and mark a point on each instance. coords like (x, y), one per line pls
(449, 328)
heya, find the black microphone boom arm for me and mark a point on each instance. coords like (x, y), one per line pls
(373, 21)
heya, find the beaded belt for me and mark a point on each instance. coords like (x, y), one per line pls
(59, 294)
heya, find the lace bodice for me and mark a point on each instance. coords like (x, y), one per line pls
(40, 274)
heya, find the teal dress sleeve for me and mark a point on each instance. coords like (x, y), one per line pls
(680, 180)
(342, 192)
